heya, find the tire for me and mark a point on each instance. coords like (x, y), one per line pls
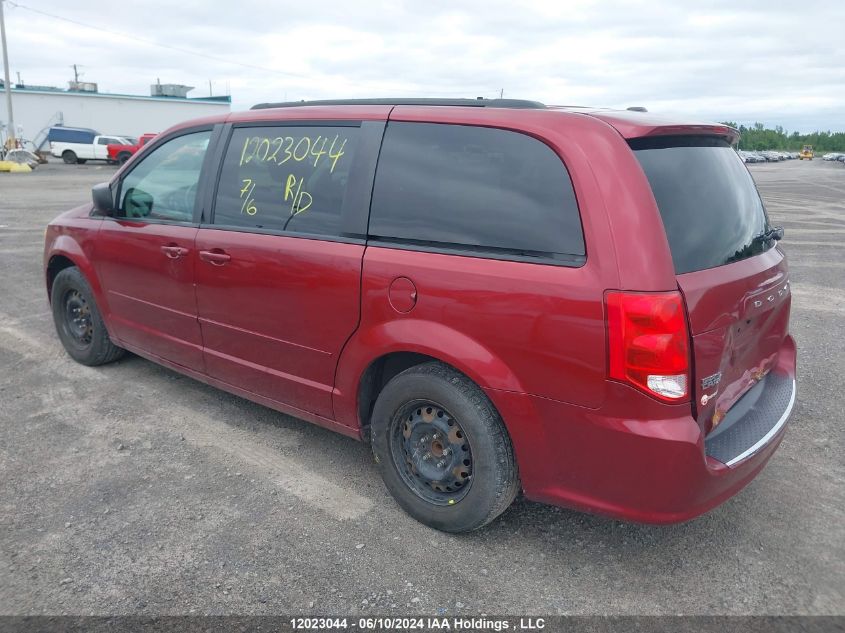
(470, 456)
(78, 321)
(81, 161)
(122, 158)
(69, 157)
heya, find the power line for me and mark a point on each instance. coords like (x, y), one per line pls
(185, 51)
(153, 43)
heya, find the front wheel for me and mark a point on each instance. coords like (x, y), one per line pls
(69, 157)
(442, 449)
(78, 321)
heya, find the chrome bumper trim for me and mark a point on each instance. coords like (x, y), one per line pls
(768, 436)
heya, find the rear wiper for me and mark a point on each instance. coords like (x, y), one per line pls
(775, 233)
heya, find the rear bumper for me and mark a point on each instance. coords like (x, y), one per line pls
(753, 421)
(640, 460)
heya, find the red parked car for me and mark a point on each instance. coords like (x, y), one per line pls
(122, 153)
(588, 306)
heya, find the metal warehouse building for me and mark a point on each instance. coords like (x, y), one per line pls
(38, 108)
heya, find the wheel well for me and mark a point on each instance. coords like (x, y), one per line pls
(376, 376)
(56, 265)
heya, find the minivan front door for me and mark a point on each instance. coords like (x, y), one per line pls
(145, 253)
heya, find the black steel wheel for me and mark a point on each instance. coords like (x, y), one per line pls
(431, 452)
(442, 448)
(78, 321)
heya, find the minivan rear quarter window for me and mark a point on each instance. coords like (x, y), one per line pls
(710, 207)
(475, 189)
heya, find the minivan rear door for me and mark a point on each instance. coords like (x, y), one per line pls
(731, 272)
(278, 269)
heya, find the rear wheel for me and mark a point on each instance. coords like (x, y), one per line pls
(442, 449)
(123, 157)
(78, 321)
(69, 157)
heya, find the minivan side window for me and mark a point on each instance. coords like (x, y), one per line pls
(475, 188)
(163, 186)
(286, 178)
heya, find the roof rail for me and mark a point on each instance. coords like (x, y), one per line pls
(471, 103)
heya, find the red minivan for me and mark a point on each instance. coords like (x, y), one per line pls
(588, 306)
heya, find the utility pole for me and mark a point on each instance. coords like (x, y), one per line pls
(75, 74)
(10, 134)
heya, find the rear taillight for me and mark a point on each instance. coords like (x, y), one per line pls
(649, 342)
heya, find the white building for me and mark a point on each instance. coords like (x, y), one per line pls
(37, 109)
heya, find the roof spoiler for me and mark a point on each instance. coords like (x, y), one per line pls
(725, 131)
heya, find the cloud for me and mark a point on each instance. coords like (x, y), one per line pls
(779, 63)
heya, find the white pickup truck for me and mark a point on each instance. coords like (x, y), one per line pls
(77, 145)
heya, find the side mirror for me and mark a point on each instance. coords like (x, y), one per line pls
(103, 199)
(137, 203)
(777, 233)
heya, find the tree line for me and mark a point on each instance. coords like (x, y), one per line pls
(758, 137)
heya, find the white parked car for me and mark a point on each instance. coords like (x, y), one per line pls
(77, 145)
(832, 156)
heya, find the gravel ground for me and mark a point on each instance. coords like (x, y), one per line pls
(130, 489)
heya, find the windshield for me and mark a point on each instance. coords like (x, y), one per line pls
(710, 207)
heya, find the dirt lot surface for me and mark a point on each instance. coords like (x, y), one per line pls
(131, 489)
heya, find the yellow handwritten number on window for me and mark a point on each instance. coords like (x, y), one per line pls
(248, 205)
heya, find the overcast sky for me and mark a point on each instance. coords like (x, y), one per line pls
(778, 62)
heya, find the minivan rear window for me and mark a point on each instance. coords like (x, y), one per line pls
(463, 188)
(710, 207)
